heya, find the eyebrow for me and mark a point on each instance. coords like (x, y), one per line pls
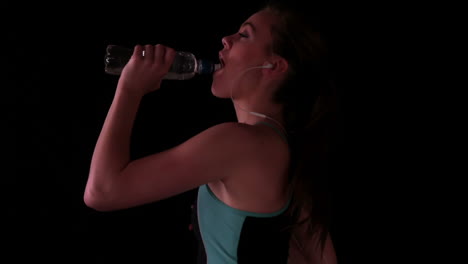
(249, 24)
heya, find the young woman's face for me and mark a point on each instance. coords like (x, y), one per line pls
(249, 47)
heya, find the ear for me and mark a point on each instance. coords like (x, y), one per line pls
(277, 66)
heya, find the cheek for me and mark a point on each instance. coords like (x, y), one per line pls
(250, 51)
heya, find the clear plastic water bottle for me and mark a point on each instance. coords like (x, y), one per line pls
(184, 67)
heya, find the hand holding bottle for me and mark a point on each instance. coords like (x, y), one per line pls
(184, 67)
(146, 69)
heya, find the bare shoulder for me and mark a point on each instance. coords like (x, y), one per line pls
(257, 139)
(232, 134)
(232, 129)
(257, 184)
(244, 142)
(254, 151)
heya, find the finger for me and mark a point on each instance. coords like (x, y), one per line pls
(149, 53)
(137, 51)
(159, 54)
(169, 56)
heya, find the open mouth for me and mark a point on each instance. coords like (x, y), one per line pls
(221, 60)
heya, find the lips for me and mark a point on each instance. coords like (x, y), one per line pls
(221, 60)
(221, 65)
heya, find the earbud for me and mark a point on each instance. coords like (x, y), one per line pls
(266, 66)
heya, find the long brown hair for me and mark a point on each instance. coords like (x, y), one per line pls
(310, 110)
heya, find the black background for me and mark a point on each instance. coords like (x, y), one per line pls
(61, 96)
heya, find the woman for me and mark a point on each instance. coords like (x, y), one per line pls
(260, 180)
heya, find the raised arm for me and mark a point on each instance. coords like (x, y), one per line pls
(214, 154)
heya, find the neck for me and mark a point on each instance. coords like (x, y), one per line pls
(271, 111)
(259, 102)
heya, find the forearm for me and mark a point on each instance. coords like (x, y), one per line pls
(141, 75)
(112, 151)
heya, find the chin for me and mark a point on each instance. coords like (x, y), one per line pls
(213, 91)
(216, 91)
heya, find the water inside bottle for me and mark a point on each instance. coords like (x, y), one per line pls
(115, 59)
(184, 67)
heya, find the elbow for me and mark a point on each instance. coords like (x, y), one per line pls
(98, 193)
(96, 200)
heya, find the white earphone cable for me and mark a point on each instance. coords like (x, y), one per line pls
(251, 112)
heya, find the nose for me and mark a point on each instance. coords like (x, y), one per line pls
(226, 42)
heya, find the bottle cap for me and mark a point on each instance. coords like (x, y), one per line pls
(207, 67)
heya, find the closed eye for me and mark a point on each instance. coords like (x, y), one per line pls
(243, 35)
